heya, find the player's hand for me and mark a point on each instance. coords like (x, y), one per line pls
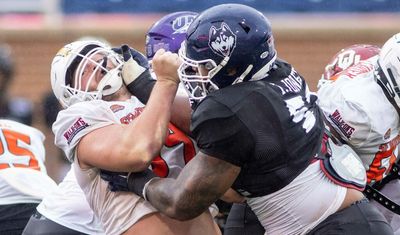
(132, 182)
(117, 181)
(136, 73)
(165, 65)
(136, 65)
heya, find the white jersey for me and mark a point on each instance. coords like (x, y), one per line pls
(117, 210)
(67, 206)
(282, 212)
(23, 176)
(357, 108)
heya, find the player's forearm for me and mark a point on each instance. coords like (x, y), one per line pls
(146, 135)
(170, 198)
(181, 110)
(181, 113)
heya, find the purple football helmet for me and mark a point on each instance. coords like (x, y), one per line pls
(168, 32)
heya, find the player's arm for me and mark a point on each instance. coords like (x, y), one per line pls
(131, 147)
(204, 180)
(142, 85)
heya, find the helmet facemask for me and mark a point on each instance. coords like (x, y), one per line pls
(197, 75)
(388, 71)
(108, 65)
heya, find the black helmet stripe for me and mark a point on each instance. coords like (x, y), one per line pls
(71, 69)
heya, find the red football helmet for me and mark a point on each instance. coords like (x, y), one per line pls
(347, 57)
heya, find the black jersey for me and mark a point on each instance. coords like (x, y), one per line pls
(271, 128)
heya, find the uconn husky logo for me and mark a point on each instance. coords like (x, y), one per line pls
(222, 40)
(181, 24)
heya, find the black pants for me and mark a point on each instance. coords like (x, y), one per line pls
(362, 218)
(14, 217)
(40, 225)
(242, 221)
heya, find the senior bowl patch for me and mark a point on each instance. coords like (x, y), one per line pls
(344, 127)
(78, 125)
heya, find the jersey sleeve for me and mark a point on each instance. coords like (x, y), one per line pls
(340, 102)
(219, 133)
(78, 120)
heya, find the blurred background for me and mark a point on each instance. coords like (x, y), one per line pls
(307, 34)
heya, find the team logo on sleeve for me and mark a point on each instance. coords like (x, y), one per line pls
(78, 126)
(222, 40)
(345, 128)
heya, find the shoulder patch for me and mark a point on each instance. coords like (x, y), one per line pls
(74, 129)
(345, 128)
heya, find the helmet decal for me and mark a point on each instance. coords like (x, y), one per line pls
(64, 52)
(222, 40)
(181, 23)
(168, 32)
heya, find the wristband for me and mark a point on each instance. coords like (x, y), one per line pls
(142, 87)
(145, 187)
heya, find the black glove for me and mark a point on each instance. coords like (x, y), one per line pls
(117, 181)
(130, 182)
(136, 73)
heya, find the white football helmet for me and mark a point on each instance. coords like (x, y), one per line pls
(389, 63)
(69, 65)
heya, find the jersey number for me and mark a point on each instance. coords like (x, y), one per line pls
(383, 161)
(300, 112)
(14, 150)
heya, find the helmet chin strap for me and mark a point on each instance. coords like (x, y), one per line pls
(244, 74)
(110, 83)
(260, 74)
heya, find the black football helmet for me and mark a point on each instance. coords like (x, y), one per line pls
(226, 44)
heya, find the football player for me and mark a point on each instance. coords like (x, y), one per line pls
(104, 126)
(65, 211)
(13, 108)
(361, 105)
(168, 33)
(23, 178)
(259, 131)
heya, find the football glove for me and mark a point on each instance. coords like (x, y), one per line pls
(136, 73)
(117, 181)
(131, 182)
